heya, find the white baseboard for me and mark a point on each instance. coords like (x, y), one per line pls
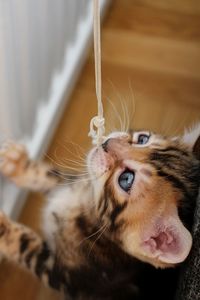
(50, 114)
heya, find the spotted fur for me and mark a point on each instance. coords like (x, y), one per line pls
(98, 238)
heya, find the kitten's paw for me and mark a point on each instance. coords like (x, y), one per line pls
(13, 159)
(4, 225)
(6, 239)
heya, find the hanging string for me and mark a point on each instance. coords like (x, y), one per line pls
(97, 123)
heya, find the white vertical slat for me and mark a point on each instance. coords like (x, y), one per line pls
(44, 48)
(5, 117)
(23, 76)
(9, 68)
(35, 36)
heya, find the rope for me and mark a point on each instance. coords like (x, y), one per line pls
(97, 123)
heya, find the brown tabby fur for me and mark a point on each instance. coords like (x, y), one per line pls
(93, 250)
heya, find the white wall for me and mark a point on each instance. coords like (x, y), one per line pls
(34, 38)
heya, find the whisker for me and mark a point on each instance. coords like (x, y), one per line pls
(72, 179)
(73, 154)
(91, 235)
(55, 162)
(120, 100)
(116, 112)
(74, 162)
(127, 118)
(57, 156)
(104, 229)
(81, 158)
(65, 166)
(74, 175)
(133, 102)
(75, 145)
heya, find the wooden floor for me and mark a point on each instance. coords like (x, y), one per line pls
(151, 69)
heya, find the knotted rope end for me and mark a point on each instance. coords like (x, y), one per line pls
(97, 130)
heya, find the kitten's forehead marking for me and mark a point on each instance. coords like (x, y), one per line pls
(146, 172)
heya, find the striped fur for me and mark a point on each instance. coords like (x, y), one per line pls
(93, 230)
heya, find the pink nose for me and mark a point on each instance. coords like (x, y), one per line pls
(116, 146)
(105, 145)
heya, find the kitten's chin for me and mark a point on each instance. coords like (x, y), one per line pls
(98, 162)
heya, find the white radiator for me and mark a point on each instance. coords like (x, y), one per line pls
(43, 45)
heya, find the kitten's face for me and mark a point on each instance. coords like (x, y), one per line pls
(140, 180)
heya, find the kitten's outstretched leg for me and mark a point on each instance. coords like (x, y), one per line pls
(16, 165)
(23, 246)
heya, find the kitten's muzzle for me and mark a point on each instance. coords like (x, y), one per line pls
(115, 145)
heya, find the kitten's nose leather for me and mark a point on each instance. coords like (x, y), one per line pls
(105, 145)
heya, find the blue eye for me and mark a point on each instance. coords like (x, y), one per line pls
(126, 180)
(142, 139)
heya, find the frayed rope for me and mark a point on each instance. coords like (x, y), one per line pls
(97, 123)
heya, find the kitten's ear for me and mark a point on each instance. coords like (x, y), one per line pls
(169, 241)
(192, 139)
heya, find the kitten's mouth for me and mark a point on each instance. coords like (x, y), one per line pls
(98, 161)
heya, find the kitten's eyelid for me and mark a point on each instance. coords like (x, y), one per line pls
(136, 136)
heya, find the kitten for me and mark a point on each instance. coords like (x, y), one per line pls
(103, 235)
